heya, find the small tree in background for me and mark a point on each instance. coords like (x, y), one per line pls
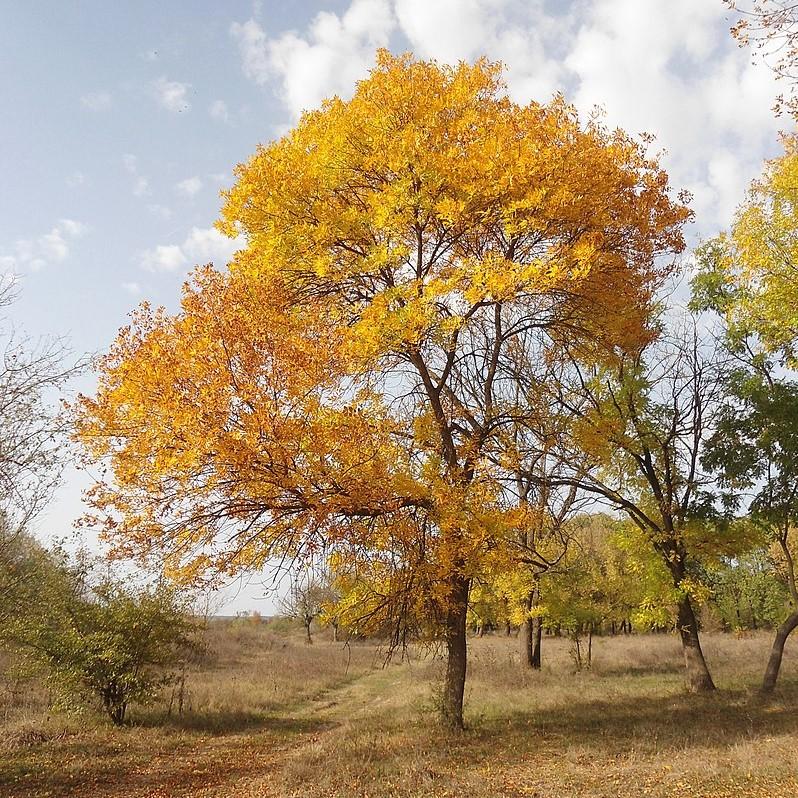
(309, 595)
(104, 640)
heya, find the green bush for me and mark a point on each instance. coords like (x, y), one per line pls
(110, 641)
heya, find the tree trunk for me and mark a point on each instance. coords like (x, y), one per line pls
(526, 638)
(537, 627)
(777, 652)
(699, 679)
(455, 628)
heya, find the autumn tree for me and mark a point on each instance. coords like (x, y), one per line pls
(748, 273)
(339, 388)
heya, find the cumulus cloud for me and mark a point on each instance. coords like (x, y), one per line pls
(96, 100)
(329, 58)
(171, 94)
(49, 248)
(201, 245)
(189, 187)
(673, 70)
(524, 34)
(163, 258)
(670, 69)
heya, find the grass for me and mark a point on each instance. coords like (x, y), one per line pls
(266, 715)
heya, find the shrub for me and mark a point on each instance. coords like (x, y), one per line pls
(111, 641)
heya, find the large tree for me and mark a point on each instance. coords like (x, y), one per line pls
(748, 274)
(340, 386)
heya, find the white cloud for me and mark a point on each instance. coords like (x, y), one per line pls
(674, 71)
(204, 245)
(218, 111)
(163, 258)
(141, 184)
(523, 34)
(670, 69)
(49, 248)
(96, 100)
(132, 288)
(201, 246)
(334, 53)
(189, 187)
(171, 94)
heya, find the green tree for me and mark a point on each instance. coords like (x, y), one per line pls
(746, 279)
(644, 422)
(105, 640)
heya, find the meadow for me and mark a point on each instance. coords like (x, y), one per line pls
(264, 714)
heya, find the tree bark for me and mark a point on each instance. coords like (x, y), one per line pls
(526, 638)
(456, 663)
(699, 679)
(777, 652)
(530, 635)
(537, 627)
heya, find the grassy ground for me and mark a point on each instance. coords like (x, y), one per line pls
(268, 716)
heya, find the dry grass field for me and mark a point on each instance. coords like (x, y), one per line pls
(266, 715)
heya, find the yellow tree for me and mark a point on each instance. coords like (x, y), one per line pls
(341, 386)
(749, 272)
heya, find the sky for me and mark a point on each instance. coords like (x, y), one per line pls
(122, 122)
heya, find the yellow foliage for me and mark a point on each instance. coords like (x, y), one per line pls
(339, 388)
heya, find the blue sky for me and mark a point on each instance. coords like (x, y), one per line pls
(122, 122)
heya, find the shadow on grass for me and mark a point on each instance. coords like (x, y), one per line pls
(654, 669)
(134, 762)
(656, 724)
(229, 722)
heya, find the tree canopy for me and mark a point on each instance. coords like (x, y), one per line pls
(342, 385)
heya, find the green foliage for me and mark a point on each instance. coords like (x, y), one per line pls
(746, 594)
(108, 640)
(611, 574)
(24, 567)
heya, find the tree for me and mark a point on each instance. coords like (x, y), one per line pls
(748, 274)
(771, 28)
(32, 373)
(747, 279)
(644, 423)
(104, 637)
(746, 592)
(755, 449)
(339, 388)
(306, 599)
